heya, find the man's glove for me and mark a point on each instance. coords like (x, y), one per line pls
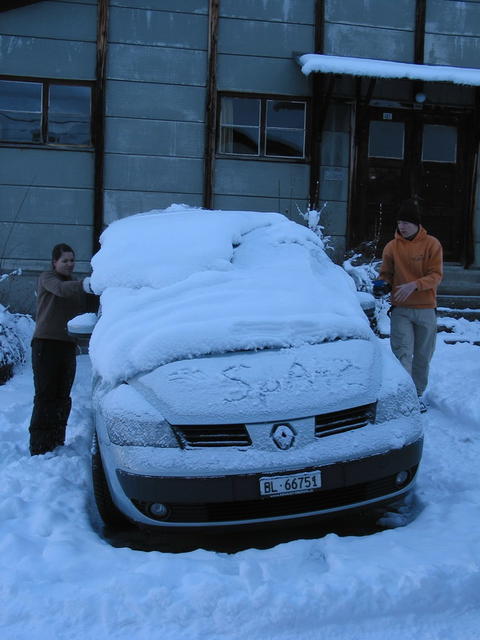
(381, 288)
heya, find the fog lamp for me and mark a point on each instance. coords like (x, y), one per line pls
(158, 510)
(401, 477)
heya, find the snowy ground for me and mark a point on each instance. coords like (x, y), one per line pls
(60, 579)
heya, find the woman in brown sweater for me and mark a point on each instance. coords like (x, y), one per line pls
(59, 298)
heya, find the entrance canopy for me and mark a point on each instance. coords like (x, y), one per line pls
(344, 65)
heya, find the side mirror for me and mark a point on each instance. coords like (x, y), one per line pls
(367, 302)
(82, 326)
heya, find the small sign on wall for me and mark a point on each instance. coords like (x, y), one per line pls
(334, 173)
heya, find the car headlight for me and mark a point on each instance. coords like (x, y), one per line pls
(396, 400)
(397, 395)
(132, 421)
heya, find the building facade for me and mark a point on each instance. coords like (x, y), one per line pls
(110, 107)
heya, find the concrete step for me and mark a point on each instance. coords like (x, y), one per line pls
(444, 324)
(458, 302)
(460, 282)
(476, 343)
(469, 312)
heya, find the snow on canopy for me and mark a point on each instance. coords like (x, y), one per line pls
(315, 62)
(184, 282)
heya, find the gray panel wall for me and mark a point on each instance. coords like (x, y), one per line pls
(269, 75)
(64, 22)
(182, 6)
(155, 105)
(263, 179)
(381, 29)
(296, 12)
(452, 33)
(334, 175)
(49, 39)
(257, 43)
(258, 56)
(262, 186)
(46, 195)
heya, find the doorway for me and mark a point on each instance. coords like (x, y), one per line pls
(406, 152)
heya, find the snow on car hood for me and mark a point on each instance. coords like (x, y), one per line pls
(184, 283)
(264, 386)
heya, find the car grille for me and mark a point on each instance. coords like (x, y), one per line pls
(213, 435)
(236, 435)
(328, 424)
(297, 504)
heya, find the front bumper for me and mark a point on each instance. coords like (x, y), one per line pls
(234, 500)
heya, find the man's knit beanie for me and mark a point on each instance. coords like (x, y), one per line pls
(409, 211)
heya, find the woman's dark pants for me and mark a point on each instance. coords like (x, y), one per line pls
(53, 364)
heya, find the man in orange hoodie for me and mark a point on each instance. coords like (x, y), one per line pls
(412, 264)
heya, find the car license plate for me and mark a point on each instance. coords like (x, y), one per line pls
(292, 483)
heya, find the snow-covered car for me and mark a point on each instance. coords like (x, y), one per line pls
(236, 379)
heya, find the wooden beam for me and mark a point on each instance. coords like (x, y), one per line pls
(419, 47)
(317, 108)
(319, 26)
(99, 121)
(417, 86)
(370, 90)
(211, 105)
(474, 176)
(357, 185)
(322, 92)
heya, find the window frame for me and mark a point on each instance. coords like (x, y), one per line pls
(261, 156)
(44, 114)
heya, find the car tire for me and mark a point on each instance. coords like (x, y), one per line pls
(110, 514)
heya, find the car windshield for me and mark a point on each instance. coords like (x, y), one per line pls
(183, 283)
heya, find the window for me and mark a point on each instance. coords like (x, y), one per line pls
(240, 126)
(386, 139)
(20, 111)
(262, 127)
(69, 110)
(439, 143)
(45, 112)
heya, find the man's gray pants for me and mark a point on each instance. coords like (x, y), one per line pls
(413, 333)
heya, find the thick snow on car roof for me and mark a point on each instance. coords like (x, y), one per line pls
(184, 282)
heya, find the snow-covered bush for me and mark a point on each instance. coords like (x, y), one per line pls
(16, 331)
(363, 268)
(313, 219)
(363, 272)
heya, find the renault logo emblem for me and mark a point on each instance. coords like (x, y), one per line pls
(283, 436)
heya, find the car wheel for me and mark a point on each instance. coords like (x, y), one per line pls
(110, 514)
